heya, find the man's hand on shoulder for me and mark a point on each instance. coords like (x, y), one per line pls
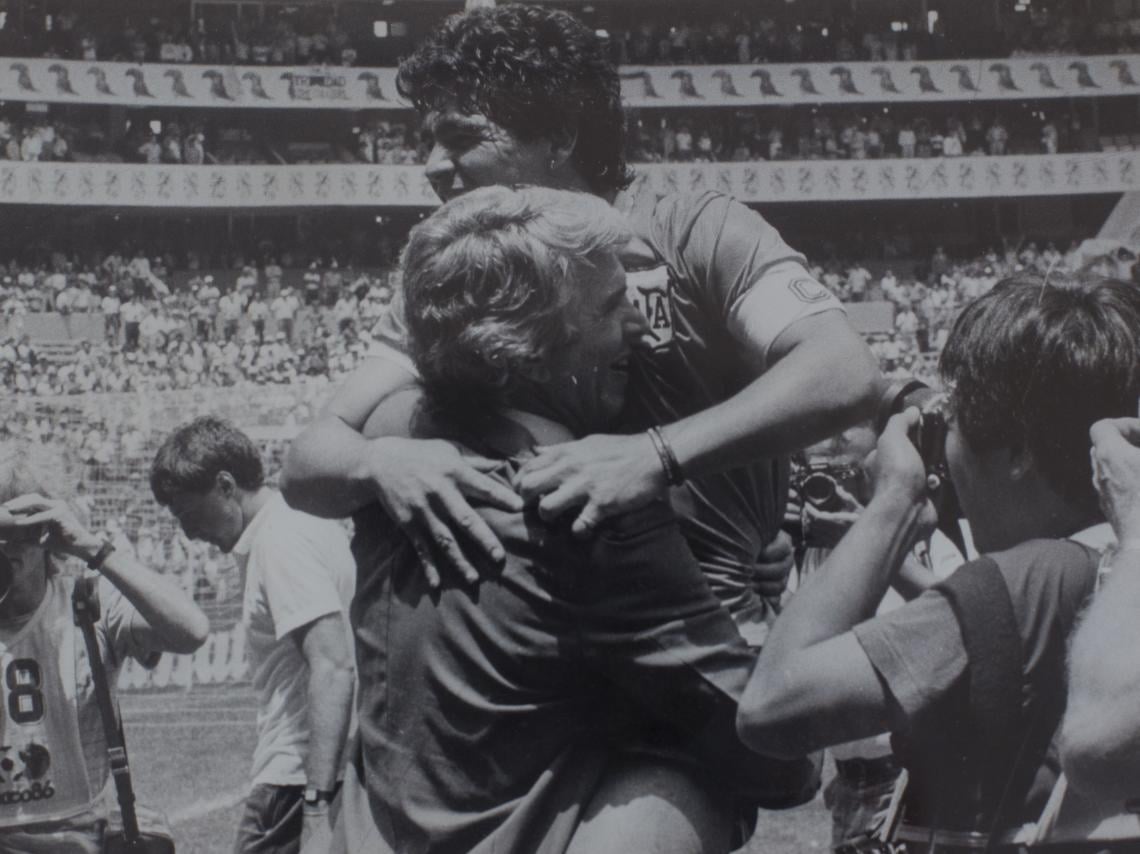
(604, 475)
(426, 487)
(1116, 475)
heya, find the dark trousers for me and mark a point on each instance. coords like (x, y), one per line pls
(271, 822)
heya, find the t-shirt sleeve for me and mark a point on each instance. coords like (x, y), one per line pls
(741, 266)
(299, 572)
(917, 650)
(125, 631)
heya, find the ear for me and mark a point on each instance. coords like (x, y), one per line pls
(225, 484)
(562, 143)
(1021, 462)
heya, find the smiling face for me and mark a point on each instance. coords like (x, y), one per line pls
(468, 150)
(588, 377)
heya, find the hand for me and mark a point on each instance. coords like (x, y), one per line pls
(316, 828)
(775, 564)
(895, 464)
(604, 475)
(63, 533)
(425, 486)
(1116, 474)
(897, 470)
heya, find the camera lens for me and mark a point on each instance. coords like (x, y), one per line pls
(819, 491)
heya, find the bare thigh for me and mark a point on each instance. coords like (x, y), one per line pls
(647, 806)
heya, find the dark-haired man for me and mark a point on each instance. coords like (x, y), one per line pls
(299, 579)
(969, 677)
(747, 357)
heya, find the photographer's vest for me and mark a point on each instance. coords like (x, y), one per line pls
(980, 762)
(43, 671)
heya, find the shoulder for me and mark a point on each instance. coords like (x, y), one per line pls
(1054, 576)
(289, 536)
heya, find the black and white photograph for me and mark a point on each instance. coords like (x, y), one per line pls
(569, 426)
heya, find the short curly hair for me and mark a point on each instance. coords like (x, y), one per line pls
(537, 72)
(1033, 363)
(484, 287)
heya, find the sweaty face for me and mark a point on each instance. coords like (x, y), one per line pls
(588, 377)
(211, 517)
(468, 150)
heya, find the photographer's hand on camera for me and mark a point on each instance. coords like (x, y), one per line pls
(824, 528)
(898, 473)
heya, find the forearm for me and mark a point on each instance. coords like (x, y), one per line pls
(819, 389)
(1100, 737)
(326, 471)
(178, 625)
(852, 581)
(330, 691)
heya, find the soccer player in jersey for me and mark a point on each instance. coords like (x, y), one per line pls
(55, 791)
(745, 356)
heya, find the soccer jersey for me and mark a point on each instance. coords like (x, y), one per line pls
(700, 267)
(53, 757)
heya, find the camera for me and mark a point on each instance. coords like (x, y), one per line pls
(818, 483)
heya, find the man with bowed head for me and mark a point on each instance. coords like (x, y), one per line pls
(741, 357)
(582, 698)
(299, 581)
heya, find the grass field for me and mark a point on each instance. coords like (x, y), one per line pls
(190, 756)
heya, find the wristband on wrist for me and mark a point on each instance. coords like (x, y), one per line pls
(674, 475)
(313, 796)
(100, 557)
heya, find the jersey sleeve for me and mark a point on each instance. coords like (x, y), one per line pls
(123, 627)
(300, 565)
(917, 650)
(740, 266)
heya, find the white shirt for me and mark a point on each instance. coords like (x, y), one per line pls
(298, 568)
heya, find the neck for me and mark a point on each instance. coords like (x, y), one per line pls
(1043, 514)
(252, 502)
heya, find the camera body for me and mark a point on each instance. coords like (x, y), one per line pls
(817, 483)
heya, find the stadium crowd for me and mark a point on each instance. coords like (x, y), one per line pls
(822, 134)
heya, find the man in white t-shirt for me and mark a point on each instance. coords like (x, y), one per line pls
(299, 581)
(285, 309)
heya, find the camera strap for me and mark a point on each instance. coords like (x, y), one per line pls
(85, 605)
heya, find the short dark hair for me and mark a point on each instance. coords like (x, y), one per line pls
(193, 455)
(1033, 363)
(537, 72)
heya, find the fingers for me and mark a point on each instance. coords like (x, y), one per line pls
(587, 521)
(443, 542)
(427, 562)
(475, 484)
(566, 497)
(534, 479)
(1115, 435)
(455, 509)
(32, 502)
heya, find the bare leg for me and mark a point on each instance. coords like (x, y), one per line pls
(649, 806)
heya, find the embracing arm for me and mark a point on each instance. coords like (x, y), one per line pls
(329, 471)
(814, 685)
(822, 380)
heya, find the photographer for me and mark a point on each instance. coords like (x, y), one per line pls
(54, 776)
(969, 677)
(1100, 743)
